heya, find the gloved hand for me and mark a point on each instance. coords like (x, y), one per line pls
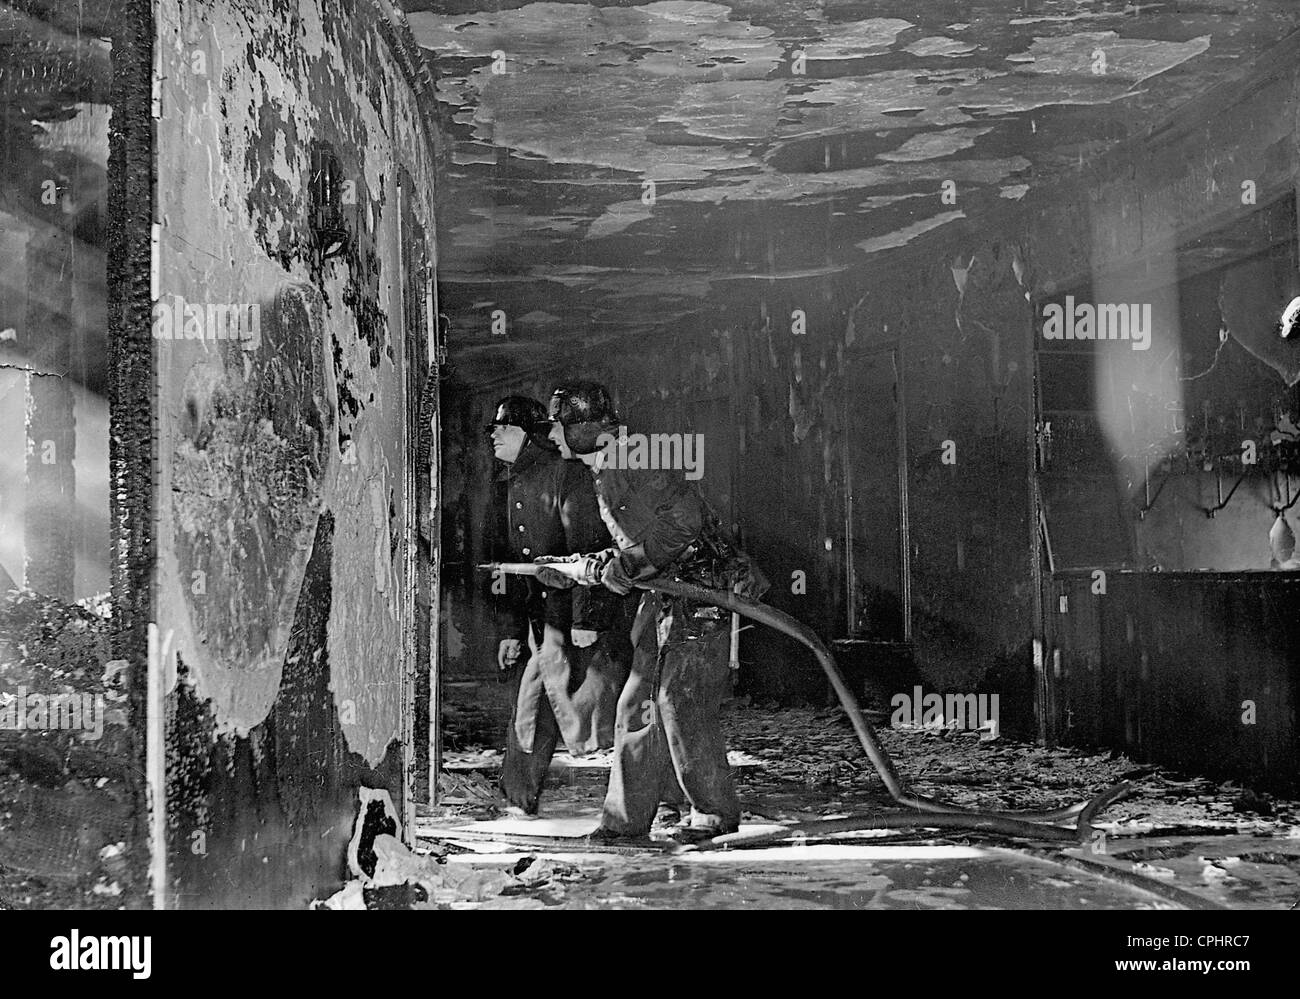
(580, 570)
(508, 653)
(594, 565)
(582, 637)
(613, 578)
(552, 578)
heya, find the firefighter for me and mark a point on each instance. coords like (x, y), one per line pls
(668, 738)
(578, 654)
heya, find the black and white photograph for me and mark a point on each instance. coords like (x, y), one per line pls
(650, 455)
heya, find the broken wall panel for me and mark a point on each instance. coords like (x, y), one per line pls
(290, 362)
(1193, 671)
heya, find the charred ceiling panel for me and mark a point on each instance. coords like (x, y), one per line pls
(288, 376)
(606, 154)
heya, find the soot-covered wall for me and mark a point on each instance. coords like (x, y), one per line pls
(294, 170)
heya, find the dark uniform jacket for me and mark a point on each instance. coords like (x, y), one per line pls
(660, 522)
(550, 509)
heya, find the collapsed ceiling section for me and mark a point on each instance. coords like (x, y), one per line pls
(615, 167)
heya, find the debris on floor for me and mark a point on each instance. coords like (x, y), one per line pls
(1216, 843)
(812, 757)
(797, 764)
(405, 879)
(386, 874)
(466, 789)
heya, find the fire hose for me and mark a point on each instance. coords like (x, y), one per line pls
(1033, 825)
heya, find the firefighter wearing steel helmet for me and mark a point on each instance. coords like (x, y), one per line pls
(668, 733)
(578, 654)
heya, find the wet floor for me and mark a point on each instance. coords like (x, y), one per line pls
(942, 877)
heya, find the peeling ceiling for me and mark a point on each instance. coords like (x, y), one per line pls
(619, 167)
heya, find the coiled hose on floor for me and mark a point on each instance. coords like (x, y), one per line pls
(1040, 825)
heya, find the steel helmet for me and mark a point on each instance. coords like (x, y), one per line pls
(518, 411)
(585, 410)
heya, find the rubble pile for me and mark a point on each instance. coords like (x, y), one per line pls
(386, 874)
(814, 753)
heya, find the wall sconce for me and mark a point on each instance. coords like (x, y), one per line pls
(1210, 511)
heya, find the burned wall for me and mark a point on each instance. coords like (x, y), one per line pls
(290, 365)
